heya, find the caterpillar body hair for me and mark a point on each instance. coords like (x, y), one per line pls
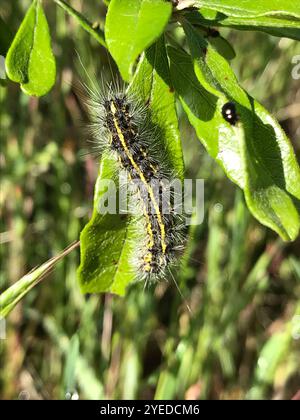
(121, 126)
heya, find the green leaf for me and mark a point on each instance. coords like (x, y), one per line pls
(200, 107)
(213, 36)
(249, 8)
(264, 164)
(108, 242)
(131, 26)
(223, 47)
(30, 60)
(266, 199)
(269, 24)
(105, 244)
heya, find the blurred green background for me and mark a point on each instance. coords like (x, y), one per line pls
(241, 281)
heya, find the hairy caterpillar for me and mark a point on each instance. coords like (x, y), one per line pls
(122, 127)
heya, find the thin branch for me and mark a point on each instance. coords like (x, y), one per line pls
(86, 25)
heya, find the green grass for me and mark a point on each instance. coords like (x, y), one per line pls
(241, 282)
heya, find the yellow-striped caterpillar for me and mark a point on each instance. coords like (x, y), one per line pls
(122, 126)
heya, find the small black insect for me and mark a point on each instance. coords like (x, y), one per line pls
(229, 113)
